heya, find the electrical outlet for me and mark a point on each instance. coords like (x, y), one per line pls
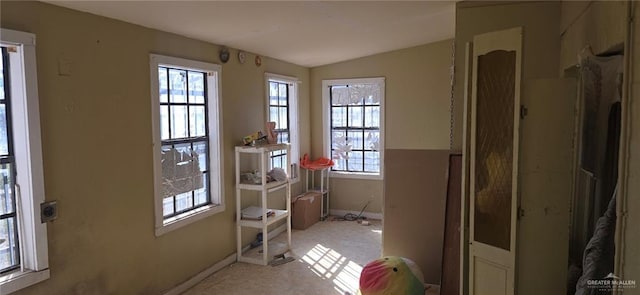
(48, 211)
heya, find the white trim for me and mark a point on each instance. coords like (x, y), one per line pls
(18, 38)
(368, 215)
(188, 218)
(216, 159)
(294, 118)
(326, 125)
(355, 175)
(179, 289)
(19, 280)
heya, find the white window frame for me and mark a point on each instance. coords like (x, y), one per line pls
(27, 143)
(294, 135)
(216, 160)
(326, 125)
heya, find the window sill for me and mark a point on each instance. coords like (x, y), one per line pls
(186, 218)
(355, 175)
(19, 280)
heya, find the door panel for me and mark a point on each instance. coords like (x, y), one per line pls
(491, 278)
(494, 161)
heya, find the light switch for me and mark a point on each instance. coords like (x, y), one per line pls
(64, 67)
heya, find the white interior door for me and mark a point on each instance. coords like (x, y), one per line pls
(493, 190)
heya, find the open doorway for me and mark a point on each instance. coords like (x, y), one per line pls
(592, 231)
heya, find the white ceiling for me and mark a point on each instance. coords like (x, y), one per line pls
(307, 33)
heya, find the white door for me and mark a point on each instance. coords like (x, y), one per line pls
(493, 191)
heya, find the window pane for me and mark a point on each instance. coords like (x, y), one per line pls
(338, 140)
(355, 138)
(2, 95)
(178, 121)
(366, 93)
(6, 190)
(178, 86)
(372, 161)
(273, 115)
(197, 120)
(196, 87)
(283, 137)
(282, 118)
(340, 163)
(372, 116)
(338, 116)
(355, 161)
(201, 149)
(184, 201)
(273, 93)
(202, 195)
(162, 82)
(4, 138)
(339, 95)
(355, 116)
(167, 206)
(164, 122)
(372, 140)
(183, 147)
(8, 248)
(283, 93)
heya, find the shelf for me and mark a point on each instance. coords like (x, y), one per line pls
(255, 255)
(279, 215)
(262, 148)
(270, 187)
(258, 158)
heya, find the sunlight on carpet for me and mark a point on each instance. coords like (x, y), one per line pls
(329, 264)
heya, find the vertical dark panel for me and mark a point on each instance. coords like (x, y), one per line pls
(451, 253)
(494, 148)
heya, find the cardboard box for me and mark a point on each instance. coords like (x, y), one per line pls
(306, 210)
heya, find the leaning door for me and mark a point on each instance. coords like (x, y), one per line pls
(495, 115)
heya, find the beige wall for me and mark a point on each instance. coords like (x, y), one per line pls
(631, 252)
(417, 113)
(103, 241)
(540, 47)
(599, 24)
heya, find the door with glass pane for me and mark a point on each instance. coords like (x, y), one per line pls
(494, 160)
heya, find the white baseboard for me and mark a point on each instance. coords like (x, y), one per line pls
(368, 215)
(179, 289)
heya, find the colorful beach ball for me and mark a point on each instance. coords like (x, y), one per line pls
(391, 275)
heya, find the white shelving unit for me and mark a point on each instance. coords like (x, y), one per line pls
(323, 188)
(260, 162)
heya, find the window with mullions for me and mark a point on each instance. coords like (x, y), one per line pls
(353, 114)
(24, 259)
(282, 108)
(279, 113)
(183, 122)
(9, 242)
(187, 141)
